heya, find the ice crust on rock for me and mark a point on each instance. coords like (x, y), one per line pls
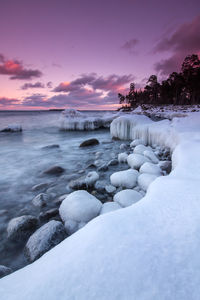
(145, 179)
(125, 179)
(22, 227)
(147, 251)
(72, 119)
(127, 197)
(122, 157)
(150, 168)
(79, 206)
(135, 161)
(151, 156)
(139, 149)
(136, 142)
(108, 207)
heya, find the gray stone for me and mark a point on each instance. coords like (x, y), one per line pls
(21, 228)
(49, 147)
(45, 238)
(110, 189)
(40, 187)
(90, 142)
(40, 200)
(55, 170)
(113, 162)
(104, 167)
(47, 215)
(4, 271)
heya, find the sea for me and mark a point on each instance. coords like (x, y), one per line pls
(23, 160)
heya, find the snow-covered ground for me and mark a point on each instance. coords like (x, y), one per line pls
(147, 251)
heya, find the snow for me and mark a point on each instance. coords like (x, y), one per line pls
(150, 155)
(147, 251)
(139, 149)
(108, 207)
(151, 168)
(145, 179)
(136, 160)
(136, 142)
(79, 206)
(91, 178)
(127, 197)
(125, 179)
(122, 157)
(75, 120)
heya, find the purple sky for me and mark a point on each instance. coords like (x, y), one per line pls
(81, 53)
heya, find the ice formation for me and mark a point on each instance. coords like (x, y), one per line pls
(122, 157)
(148, 251)
(150, 168)
(109, 206)
(127, 197)
(72, 119)
(136, 160)
(125, 179)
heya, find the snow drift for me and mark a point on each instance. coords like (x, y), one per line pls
(148, 251)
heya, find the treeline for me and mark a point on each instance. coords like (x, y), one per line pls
(178, 89)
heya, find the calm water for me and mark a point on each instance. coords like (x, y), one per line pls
(22, 162)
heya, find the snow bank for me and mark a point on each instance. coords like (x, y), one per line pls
(148, 251)
(72, 119)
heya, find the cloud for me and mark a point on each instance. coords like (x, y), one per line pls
(32, 86)
(110, 83)
(49, 85)
(130, 46)
(184, 41)
(4, 101)
(16, 70)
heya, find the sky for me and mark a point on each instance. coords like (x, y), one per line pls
(81, 53)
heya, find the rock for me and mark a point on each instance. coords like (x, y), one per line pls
(100, 186)
(49, 147)
(110, 189)
(55, 170)
(166, 165)
(108, 207)
(40, 187)
(45, 238)
(123, 147)
(4, 271)
(145, 179)
(12, 128)
(104, 167)
(71, 226)
(125, 179)
(136, 142)
(51, 213)
(112, 162)
(127, 197)
(40, 200)
(139, 149)
(151, 156)
(136, 160)
(21, 228)
(150, 168)
(122, 157)
(79, 206)
(3, 212)
(84, 182)
(90, 142)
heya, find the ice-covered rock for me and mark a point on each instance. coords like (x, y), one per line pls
(110, 189)
(47, 215)
(136, 160)
(125, 179)
(90, 142)
(127, 197)
(103, 167)
(40, 200)
(123, 147)
(139, 149)
(136, 142)
(71, 226)
(145, 179)
(21, 228)
(108, 207)
(12, 128)
(84, 182)
(4, 271)
(165, 165)
(45, 238)
(151, 156)
(122, 157)
(150, 168)
(113, 162)
(80, 206)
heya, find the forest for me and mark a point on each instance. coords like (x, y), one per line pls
(178, 89)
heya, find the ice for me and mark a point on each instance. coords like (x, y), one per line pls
(108, 207)
(127, 197)
(136, 160)
(79, 206)
(139, 149)
(136, 142)
(75, 120)
(145, 179)
(150, 155)
(126, 179)
(122, 157)
(147, 251)
(151, 168)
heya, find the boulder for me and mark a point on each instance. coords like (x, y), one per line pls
(125, 179)
(21, 228)
(40, 187)
(127, 197)
(55, 170)
(45, 238)
(150, 168)
(47, 215)
(90, 142)
(4, 271)
(136, 160)
(40, 200)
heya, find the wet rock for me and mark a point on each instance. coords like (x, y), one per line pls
(55, 170)
(100, 186)
(90, 142)
(113, 162)
(4, 271)
(49, 147)
(84, 182)
(40, 200)
(110, 189)
(166, 165)
(104, 167)
(40, 187)
(3, 212)
(46, 216)
(12, 128)
(21, 228)
(45, 238)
